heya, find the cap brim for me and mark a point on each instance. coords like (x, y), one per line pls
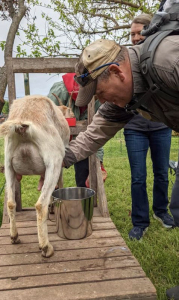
(86, 93)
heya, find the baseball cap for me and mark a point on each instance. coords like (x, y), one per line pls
(94, 59)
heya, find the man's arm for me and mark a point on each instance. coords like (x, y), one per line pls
(96, 135)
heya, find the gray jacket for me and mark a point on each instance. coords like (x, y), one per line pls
(111, 118)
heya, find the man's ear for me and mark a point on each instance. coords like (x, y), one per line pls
(114, 69)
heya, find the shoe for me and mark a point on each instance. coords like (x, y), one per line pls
(173, 293)
(137, 232)
(166, 220)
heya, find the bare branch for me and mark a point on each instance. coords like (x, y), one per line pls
(105, 16)
(124, 3)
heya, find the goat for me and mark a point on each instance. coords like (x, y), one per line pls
(67, 111)
(36, 134)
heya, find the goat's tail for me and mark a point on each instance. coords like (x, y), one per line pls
(11, 126)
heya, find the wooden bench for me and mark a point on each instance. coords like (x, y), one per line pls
(98, 267)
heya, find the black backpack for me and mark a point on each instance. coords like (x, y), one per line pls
(162, 25)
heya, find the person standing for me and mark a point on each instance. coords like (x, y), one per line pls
(140, 135)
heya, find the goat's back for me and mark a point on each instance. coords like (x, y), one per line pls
(38, 111)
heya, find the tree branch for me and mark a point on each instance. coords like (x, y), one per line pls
(124, 3)
(13, 29)
(99, 15)
(10, 8)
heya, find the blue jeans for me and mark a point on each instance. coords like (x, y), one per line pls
(81, 172)
(174, 205)
(138, 143)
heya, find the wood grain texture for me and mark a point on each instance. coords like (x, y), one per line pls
(98, 267)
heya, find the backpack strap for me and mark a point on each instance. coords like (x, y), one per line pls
(156, 86)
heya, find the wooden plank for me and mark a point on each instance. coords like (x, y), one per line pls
(80, 127)
(102, 199)
(30, 214)
(42, 65)
(135, 289)
(63, 255)
(67, 278)
(10, 81)
(65, 245)
(69, 266)
(25, 231)
(52, 222)
(26, 239)
(52, 229)
(34, 223)
(25, 215)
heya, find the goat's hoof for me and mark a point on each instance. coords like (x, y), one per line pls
(47, 251)
(15, 239)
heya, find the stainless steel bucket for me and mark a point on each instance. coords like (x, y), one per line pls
(74, 212)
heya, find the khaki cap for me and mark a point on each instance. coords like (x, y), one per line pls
(98, 53)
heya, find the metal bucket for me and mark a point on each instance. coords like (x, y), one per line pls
(74, 212)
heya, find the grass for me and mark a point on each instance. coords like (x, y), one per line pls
(158, 252)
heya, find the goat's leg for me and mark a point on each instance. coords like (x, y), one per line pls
(10, 188)
(60, 185)
(51, 176)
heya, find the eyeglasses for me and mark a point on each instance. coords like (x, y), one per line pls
(84, 79)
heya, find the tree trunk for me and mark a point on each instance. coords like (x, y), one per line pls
(16, 19)
(3, 84)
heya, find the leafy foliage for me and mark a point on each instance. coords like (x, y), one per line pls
(73, 24)
(6, 108)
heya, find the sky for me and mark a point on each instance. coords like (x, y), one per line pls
(39, 83)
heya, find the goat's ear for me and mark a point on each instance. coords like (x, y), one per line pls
(64, 109)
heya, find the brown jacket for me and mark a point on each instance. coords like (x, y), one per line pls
(111, 118)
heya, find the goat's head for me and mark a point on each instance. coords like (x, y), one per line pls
(67, 111)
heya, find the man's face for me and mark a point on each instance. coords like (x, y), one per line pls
(117, 88)
(136, 36)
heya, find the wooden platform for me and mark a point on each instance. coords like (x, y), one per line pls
(98, 267)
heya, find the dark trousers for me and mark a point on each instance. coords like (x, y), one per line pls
(81, 172)
(174, 205)
(138, 143)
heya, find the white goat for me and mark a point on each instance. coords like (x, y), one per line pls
(36, 134)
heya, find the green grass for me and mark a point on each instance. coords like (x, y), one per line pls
(158, 252)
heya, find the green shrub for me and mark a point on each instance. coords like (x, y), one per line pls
(5, 109)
